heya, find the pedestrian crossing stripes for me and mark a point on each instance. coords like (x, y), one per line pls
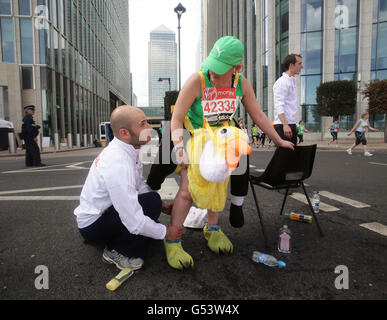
(345, 200)
(376, 227)
(323, 206)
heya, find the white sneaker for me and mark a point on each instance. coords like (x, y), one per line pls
(121, 261)
(349, 151)
(367, 154)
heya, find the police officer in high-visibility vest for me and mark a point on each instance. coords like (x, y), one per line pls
(30, 131)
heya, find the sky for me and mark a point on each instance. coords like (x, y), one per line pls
(147, 15)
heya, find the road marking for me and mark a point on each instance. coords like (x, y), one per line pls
(378, 164)
(49, 168)
(376, 227)
(259, 170)
(344, 200)
(323, 206)
(40, 198)
(169, 189)
(41, 189)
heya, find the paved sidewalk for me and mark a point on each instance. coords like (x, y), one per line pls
(6, 153)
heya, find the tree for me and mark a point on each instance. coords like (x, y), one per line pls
(169, 100)
(376, 93)
(336, 98)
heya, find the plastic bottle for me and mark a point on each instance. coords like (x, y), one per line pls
(299, 217)
(284, 240)
(124, 275)
(316, 202)
(267, 260)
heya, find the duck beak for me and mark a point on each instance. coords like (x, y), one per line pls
(234, 149)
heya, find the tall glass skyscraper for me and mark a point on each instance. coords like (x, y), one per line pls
(70, 58)
(338, 39)
(162, 55)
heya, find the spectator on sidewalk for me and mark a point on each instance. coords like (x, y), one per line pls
(29, 134)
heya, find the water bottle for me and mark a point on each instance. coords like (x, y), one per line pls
(284, 240)
(316, 202)
(268, 260)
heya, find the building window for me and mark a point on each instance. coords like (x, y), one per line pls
(311, 51)
(282, 33)
(26, 41)
(7, 40)
(24, 7)
(379, 53)
(44, 46)
(5, 7)
(27, 77)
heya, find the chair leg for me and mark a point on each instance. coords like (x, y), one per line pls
(259, 213)
(311, 208)
(283, 203)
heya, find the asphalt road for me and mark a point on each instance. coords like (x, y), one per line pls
(43, 232)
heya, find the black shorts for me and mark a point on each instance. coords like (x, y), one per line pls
(360, 138)
(334, 135)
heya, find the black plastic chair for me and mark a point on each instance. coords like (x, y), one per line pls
(287, 170)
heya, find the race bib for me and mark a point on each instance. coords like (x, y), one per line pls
(219, 104)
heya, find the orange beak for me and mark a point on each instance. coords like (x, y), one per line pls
(234, 149)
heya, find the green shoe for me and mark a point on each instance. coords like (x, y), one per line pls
(176, 256)
(217, 241)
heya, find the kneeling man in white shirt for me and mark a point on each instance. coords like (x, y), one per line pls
(116, 207)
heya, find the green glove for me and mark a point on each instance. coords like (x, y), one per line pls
(217, 241)
(176, 256)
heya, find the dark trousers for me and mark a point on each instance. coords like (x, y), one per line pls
(159, 172)
(280, 130)
(110, 231)
(32, 152)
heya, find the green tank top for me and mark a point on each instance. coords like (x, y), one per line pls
(196, 114)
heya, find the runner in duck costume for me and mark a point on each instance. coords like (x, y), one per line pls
(206, 106)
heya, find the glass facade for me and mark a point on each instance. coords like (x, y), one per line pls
(82, 56)
(379, 52)
(265, 55)
(311, 51)
(346, 47)
(282, 33)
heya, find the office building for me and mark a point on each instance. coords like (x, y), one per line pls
(162, 72)
(70, 58)
(338, 39)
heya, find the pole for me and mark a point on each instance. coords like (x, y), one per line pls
(179, 54)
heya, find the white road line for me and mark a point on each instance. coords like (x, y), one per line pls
(252, 166)
(259, 170)
(323, 206)
(41, 189)
(49, 168)
(169, 189)
(40, 198)
(376, 227)
(378, 164)
(344, 200)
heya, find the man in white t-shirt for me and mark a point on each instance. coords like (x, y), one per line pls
(117, 208)
(286, 99)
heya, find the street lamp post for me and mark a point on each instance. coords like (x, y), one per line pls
(166, 79)
(179, 11)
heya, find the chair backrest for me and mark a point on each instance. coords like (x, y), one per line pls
(288, 166)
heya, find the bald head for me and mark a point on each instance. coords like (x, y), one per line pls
(123, 117)
(132, 120)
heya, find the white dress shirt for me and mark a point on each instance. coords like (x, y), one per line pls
(286, 99)
(115, 178)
